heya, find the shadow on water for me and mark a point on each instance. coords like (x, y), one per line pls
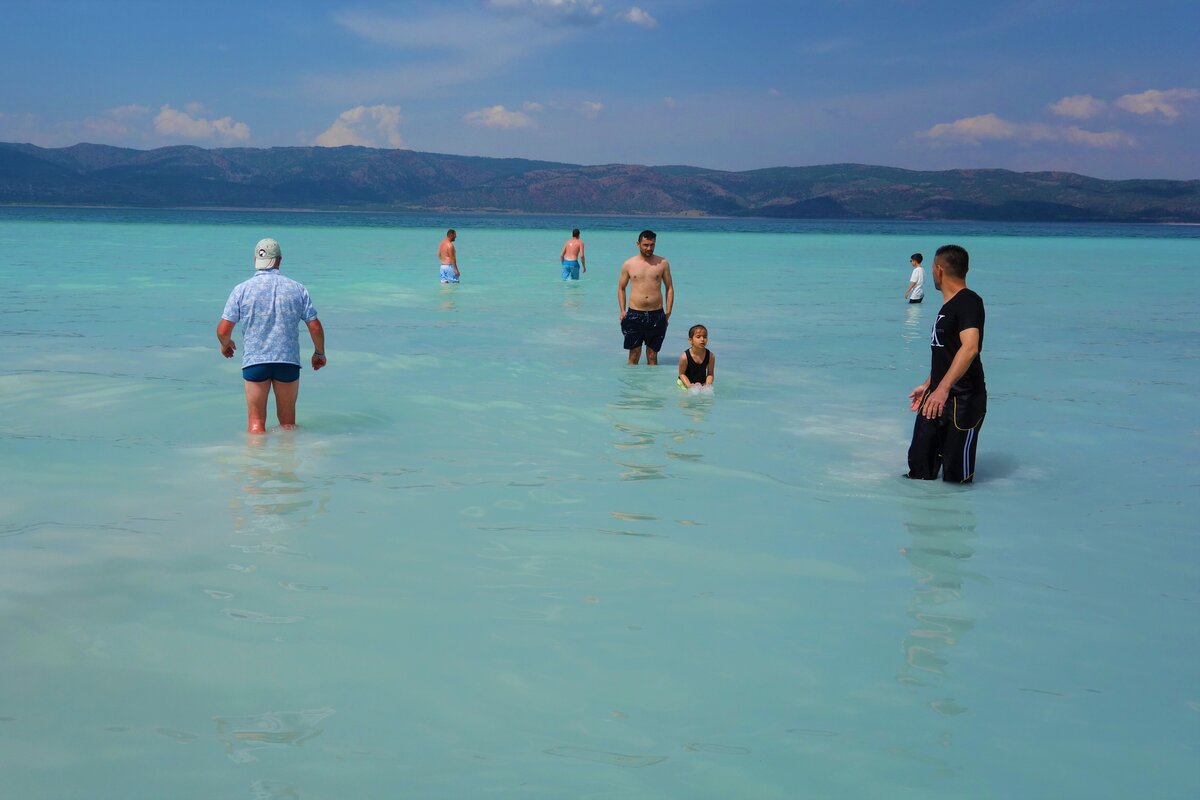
(996, 465)
(941, 544)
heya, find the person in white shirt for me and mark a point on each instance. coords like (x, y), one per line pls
(915, 292)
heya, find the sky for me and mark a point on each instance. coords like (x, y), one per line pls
(1107, 88)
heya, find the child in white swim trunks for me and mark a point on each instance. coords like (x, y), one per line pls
(697, 364)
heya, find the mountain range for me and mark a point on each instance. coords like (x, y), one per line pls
(363, 178)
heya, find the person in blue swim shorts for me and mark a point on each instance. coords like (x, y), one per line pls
(573, 257)
(270, 308)
(644, 321)
(448, 256)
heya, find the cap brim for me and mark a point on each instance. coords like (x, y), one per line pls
(264, 263)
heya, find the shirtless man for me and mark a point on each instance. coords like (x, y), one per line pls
(645, 320)
(448, 258)
(572, 257)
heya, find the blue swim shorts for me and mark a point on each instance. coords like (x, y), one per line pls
(649, 327)
(446, 274)
(570, 270)
(284, 373)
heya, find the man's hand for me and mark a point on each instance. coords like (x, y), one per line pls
(319, 360)
(228, 348)
(935, 403)
(914, 397)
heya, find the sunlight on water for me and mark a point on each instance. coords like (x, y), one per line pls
(496, 560)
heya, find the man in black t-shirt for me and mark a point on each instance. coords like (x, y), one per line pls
(952, 402)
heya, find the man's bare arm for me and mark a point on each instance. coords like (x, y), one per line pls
(670, 301)
(969, 337)
(317, 331)
(622, 283)
(225, 337)
(582, 257)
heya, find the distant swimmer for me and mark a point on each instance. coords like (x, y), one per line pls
(697, 365)
(645, 320)
(915, 292)
(573, 257)
(448, 257)
(952, 402)
(271, 308)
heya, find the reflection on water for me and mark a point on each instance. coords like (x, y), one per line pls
(696, 405)
(939, 550)
(638, 431)
(244, 736)
(271, 487)
(913, 330)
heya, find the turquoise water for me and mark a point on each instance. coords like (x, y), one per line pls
(497, 561)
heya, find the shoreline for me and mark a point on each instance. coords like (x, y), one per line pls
(688, 215)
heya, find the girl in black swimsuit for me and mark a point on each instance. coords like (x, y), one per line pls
(697, 363)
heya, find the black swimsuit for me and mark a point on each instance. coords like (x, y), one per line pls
(697, 373)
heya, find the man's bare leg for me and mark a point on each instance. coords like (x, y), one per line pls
(651, 357)
(635, 355)
(285, 402)
(256, 405)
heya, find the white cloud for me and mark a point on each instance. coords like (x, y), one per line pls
(173, 122)
(1078, 106)
(670, 102)
(639, 17)
(532, 107)
(974, 129)
(592, 108)
(499, 117)
(989, 127)
(1153, 101)
(571, 10)
(115, 122)
(1098, 139)
(452, 49)
(365, 126)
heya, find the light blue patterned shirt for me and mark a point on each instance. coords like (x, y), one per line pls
(271, 308)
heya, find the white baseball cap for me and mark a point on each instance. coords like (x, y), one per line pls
(265, 253)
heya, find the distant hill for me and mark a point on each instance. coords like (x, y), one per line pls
(364, 178)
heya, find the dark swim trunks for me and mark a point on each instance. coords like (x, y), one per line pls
(649, 327)
(284, 373)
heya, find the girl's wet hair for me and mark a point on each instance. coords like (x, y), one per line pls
(692, 330)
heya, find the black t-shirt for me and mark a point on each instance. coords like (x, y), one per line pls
(963, 311)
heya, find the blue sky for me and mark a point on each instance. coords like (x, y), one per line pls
(1103, 87)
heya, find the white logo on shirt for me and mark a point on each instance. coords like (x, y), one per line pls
(933, 340)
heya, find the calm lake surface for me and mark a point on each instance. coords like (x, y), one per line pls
(496, 561)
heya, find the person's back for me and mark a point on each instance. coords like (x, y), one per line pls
(271, 307)
(572, 257)
(448, 271)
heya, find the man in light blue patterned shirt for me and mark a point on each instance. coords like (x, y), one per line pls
(271, 308)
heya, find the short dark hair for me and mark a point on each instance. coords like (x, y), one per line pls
(450, 232)
(954, 260)
(692, 330)
(575, 233)
(917, 257)
(647, 234)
